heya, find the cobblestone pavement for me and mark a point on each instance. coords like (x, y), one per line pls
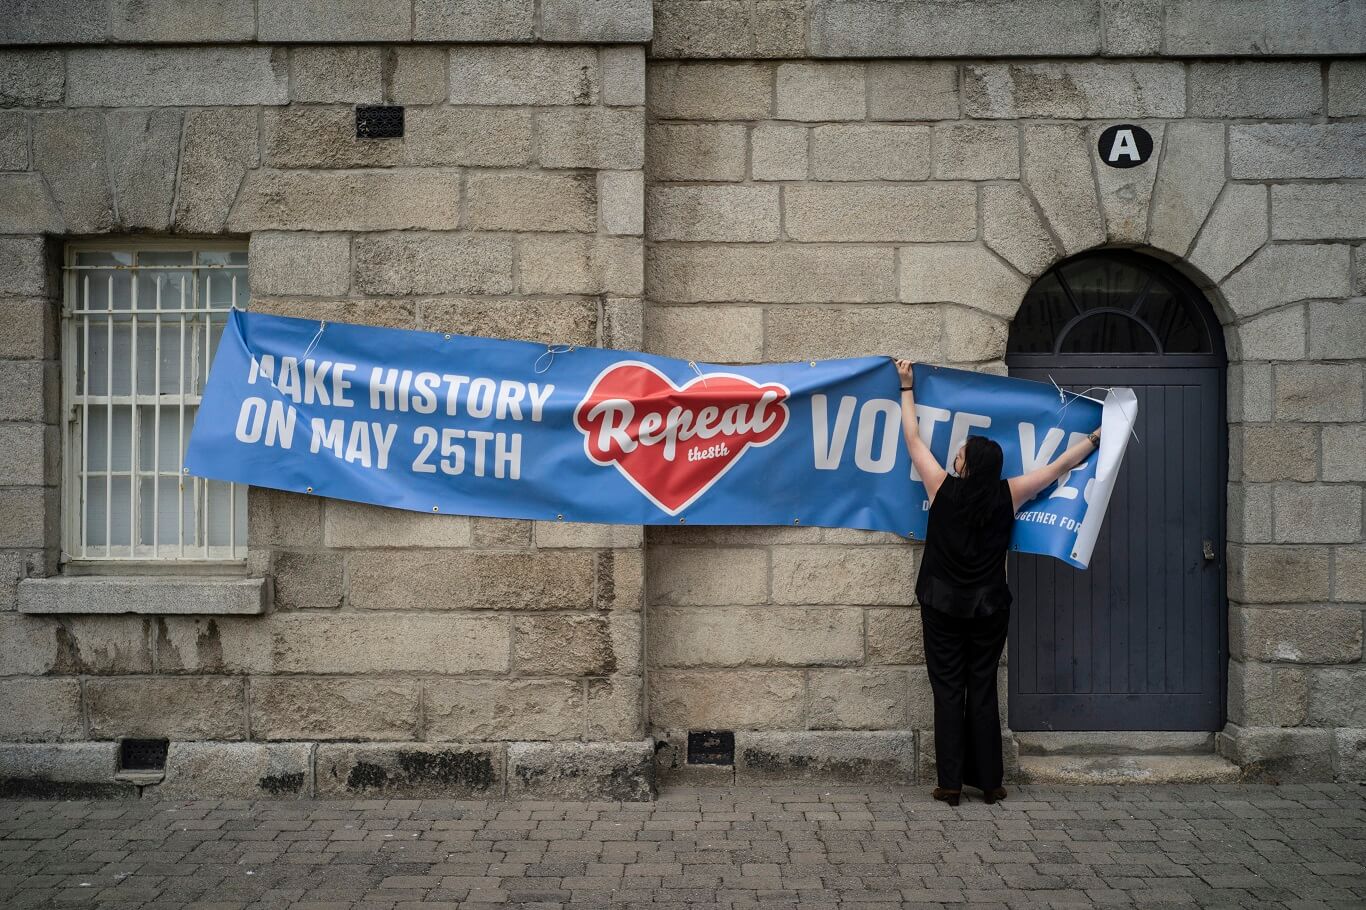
(793, 846)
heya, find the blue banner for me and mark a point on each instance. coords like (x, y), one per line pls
(475, 426)
(1034, 423)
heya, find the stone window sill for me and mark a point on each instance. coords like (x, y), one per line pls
(143, 594)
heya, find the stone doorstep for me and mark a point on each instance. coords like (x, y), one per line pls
(1122, 757)
(1114, 743)
(1128, 769)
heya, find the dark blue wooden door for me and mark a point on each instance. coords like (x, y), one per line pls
(1137, 641)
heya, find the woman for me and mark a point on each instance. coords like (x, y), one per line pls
(964, 599)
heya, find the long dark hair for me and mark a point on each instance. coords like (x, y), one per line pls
(982, 462)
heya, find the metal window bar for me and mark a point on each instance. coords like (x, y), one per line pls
(153, 297)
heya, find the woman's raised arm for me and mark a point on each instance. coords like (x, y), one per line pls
(1027, 486)
(931, 472)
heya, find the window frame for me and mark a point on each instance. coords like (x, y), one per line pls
(1196, 305)
(182, 557)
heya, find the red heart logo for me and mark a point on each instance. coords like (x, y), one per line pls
(672, 443)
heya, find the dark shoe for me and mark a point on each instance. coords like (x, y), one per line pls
(948, 796)
(994, 796)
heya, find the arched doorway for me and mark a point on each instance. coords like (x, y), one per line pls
(1138, 641)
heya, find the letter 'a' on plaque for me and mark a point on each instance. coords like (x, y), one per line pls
(1125, 145)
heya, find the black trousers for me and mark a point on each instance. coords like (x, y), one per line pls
(962, 656)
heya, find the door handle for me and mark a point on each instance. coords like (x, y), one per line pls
(1207, 548)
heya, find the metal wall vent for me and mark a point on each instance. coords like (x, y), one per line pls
(143, 754)
(711, 747)
(379, 122)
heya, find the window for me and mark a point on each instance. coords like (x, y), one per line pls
(140, 324)
(1113, 302)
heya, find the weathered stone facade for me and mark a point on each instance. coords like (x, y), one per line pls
(723, 181)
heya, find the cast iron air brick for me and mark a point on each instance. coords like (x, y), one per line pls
(379, 122)
(711, 747)
(143, 754)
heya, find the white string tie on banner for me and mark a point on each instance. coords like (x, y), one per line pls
(693, 364)
(550, 351)
(1066, 402)
(274, 381)
(322, 326)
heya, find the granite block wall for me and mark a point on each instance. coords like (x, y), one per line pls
(721, 181)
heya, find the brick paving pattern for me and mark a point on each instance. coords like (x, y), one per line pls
(796, 846)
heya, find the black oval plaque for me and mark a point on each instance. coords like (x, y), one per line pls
(1125, 145)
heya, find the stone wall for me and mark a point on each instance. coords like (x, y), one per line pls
(511, 208)
(758, 29)
(325, 21)
(891, 184)
(807, 209)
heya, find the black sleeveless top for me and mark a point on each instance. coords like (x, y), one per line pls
(963, 572)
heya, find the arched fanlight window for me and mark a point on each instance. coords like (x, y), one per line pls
(1114, 302)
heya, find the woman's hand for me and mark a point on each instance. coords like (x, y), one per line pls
(906, 370)
(1026, 486)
